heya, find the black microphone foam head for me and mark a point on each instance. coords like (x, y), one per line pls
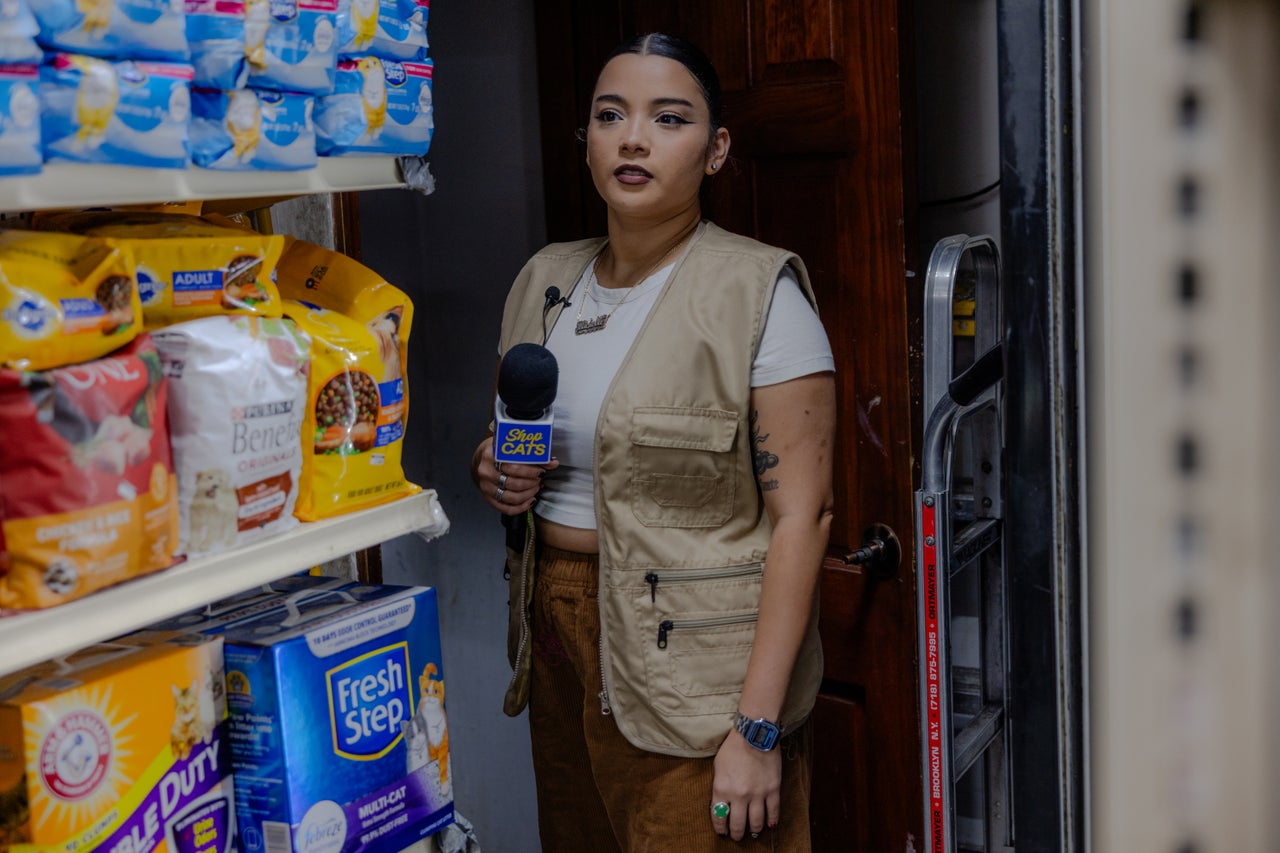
(527, 380)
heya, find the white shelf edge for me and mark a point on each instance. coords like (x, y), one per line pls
(88, 184)
(33, 637)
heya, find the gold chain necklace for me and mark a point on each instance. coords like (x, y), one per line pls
(595, 324)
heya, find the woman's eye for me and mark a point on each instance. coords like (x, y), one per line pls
(672, 118)
(607, 115)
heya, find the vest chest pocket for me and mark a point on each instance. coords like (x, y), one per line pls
(682, 466)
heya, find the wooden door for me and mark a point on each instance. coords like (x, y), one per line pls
(815, 104)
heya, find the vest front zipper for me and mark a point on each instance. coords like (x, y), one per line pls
(668, 625)
(652, 578)
(605, 707)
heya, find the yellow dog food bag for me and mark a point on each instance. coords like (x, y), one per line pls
(353, 424)
(187, 267)
(311, 273)
(64, 299)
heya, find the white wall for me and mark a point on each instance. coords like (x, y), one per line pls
(456, 253)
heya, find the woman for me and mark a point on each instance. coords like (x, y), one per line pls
(692, 360)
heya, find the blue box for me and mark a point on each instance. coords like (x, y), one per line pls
(338, 734)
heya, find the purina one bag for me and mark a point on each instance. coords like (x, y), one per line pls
(87, 494)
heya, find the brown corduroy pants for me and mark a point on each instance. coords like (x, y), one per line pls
(596, 792)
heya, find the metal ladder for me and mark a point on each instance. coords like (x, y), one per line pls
(961, 576)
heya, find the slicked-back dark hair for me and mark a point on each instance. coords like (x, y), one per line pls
(687, 54)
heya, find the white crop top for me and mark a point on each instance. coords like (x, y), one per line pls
(793, 344)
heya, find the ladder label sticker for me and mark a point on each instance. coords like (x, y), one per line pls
(933, 680)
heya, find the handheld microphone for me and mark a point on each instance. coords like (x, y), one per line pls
(527, 380)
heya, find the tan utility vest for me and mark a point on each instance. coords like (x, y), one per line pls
(682, 527)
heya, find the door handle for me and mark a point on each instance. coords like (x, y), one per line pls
(880, 552)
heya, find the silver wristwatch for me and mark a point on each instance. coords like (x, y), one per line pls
(760, 733)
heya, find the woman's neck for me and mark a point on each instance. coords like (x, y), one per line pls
(635, 252)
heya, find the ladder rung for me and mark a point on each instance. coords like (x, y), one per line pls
(973, 740)
(973, 540)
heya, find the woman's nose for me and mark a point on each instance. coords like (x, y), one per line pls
(634, 138)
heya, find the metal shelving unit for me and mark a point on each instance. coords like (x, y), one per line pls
(29, 638)
(85, 185)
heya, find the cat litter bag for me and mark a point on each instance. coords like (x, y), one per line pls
(120, 746)
(247, 129)
(20, 120)
(237, 389)
(353, 426)
(18, 29)
(128, 113)
(87, 492)
(119, 29)
(378, 107)
(186, 266)
(391, 29)
(215, 31)
(291, 45)
(64, 299)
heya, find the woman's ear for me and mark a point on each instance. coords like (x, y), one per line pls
(718, 151)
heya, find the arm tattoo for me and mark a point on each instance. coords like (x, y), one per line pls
(762, 459)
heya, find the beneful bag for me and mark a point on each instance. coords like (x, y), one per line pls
(64, 299)
(87, 491)
(187, 267)
(353, 426)
(237, 394)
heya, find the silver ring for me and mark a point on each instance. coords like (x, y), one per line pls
(502, 481)
(755, 835)
(497, 495)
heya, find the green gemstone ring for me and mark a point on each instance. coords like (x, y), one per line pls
(720, 810)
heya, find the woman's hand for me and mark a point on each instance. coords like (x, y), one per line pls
(750, 781)
(509, 488)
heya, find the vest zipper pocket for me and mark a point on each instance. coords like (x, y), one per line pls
(652, 578)
(668, 625)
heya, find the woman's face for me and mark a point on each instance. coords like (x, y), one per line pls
(649, 142)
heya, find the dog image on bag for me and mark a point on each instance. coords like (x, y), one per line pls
(386, 328)
(213, 511)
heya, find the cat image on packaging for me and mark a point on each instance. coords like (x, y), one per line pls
(427, 734)
(118, 747)
(373, 91)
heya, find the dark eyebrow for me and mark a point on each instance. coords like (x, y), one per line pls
(657, 102)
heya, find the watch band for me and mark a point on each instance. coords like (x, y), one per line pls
(759, 732)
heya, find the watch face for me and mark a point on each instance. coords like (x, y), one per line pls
(762, 735)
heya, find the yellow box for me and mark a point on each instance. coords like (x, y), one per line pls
(120, 746)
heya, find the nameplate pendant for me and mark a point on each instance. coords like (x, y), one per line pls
(586, 327)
